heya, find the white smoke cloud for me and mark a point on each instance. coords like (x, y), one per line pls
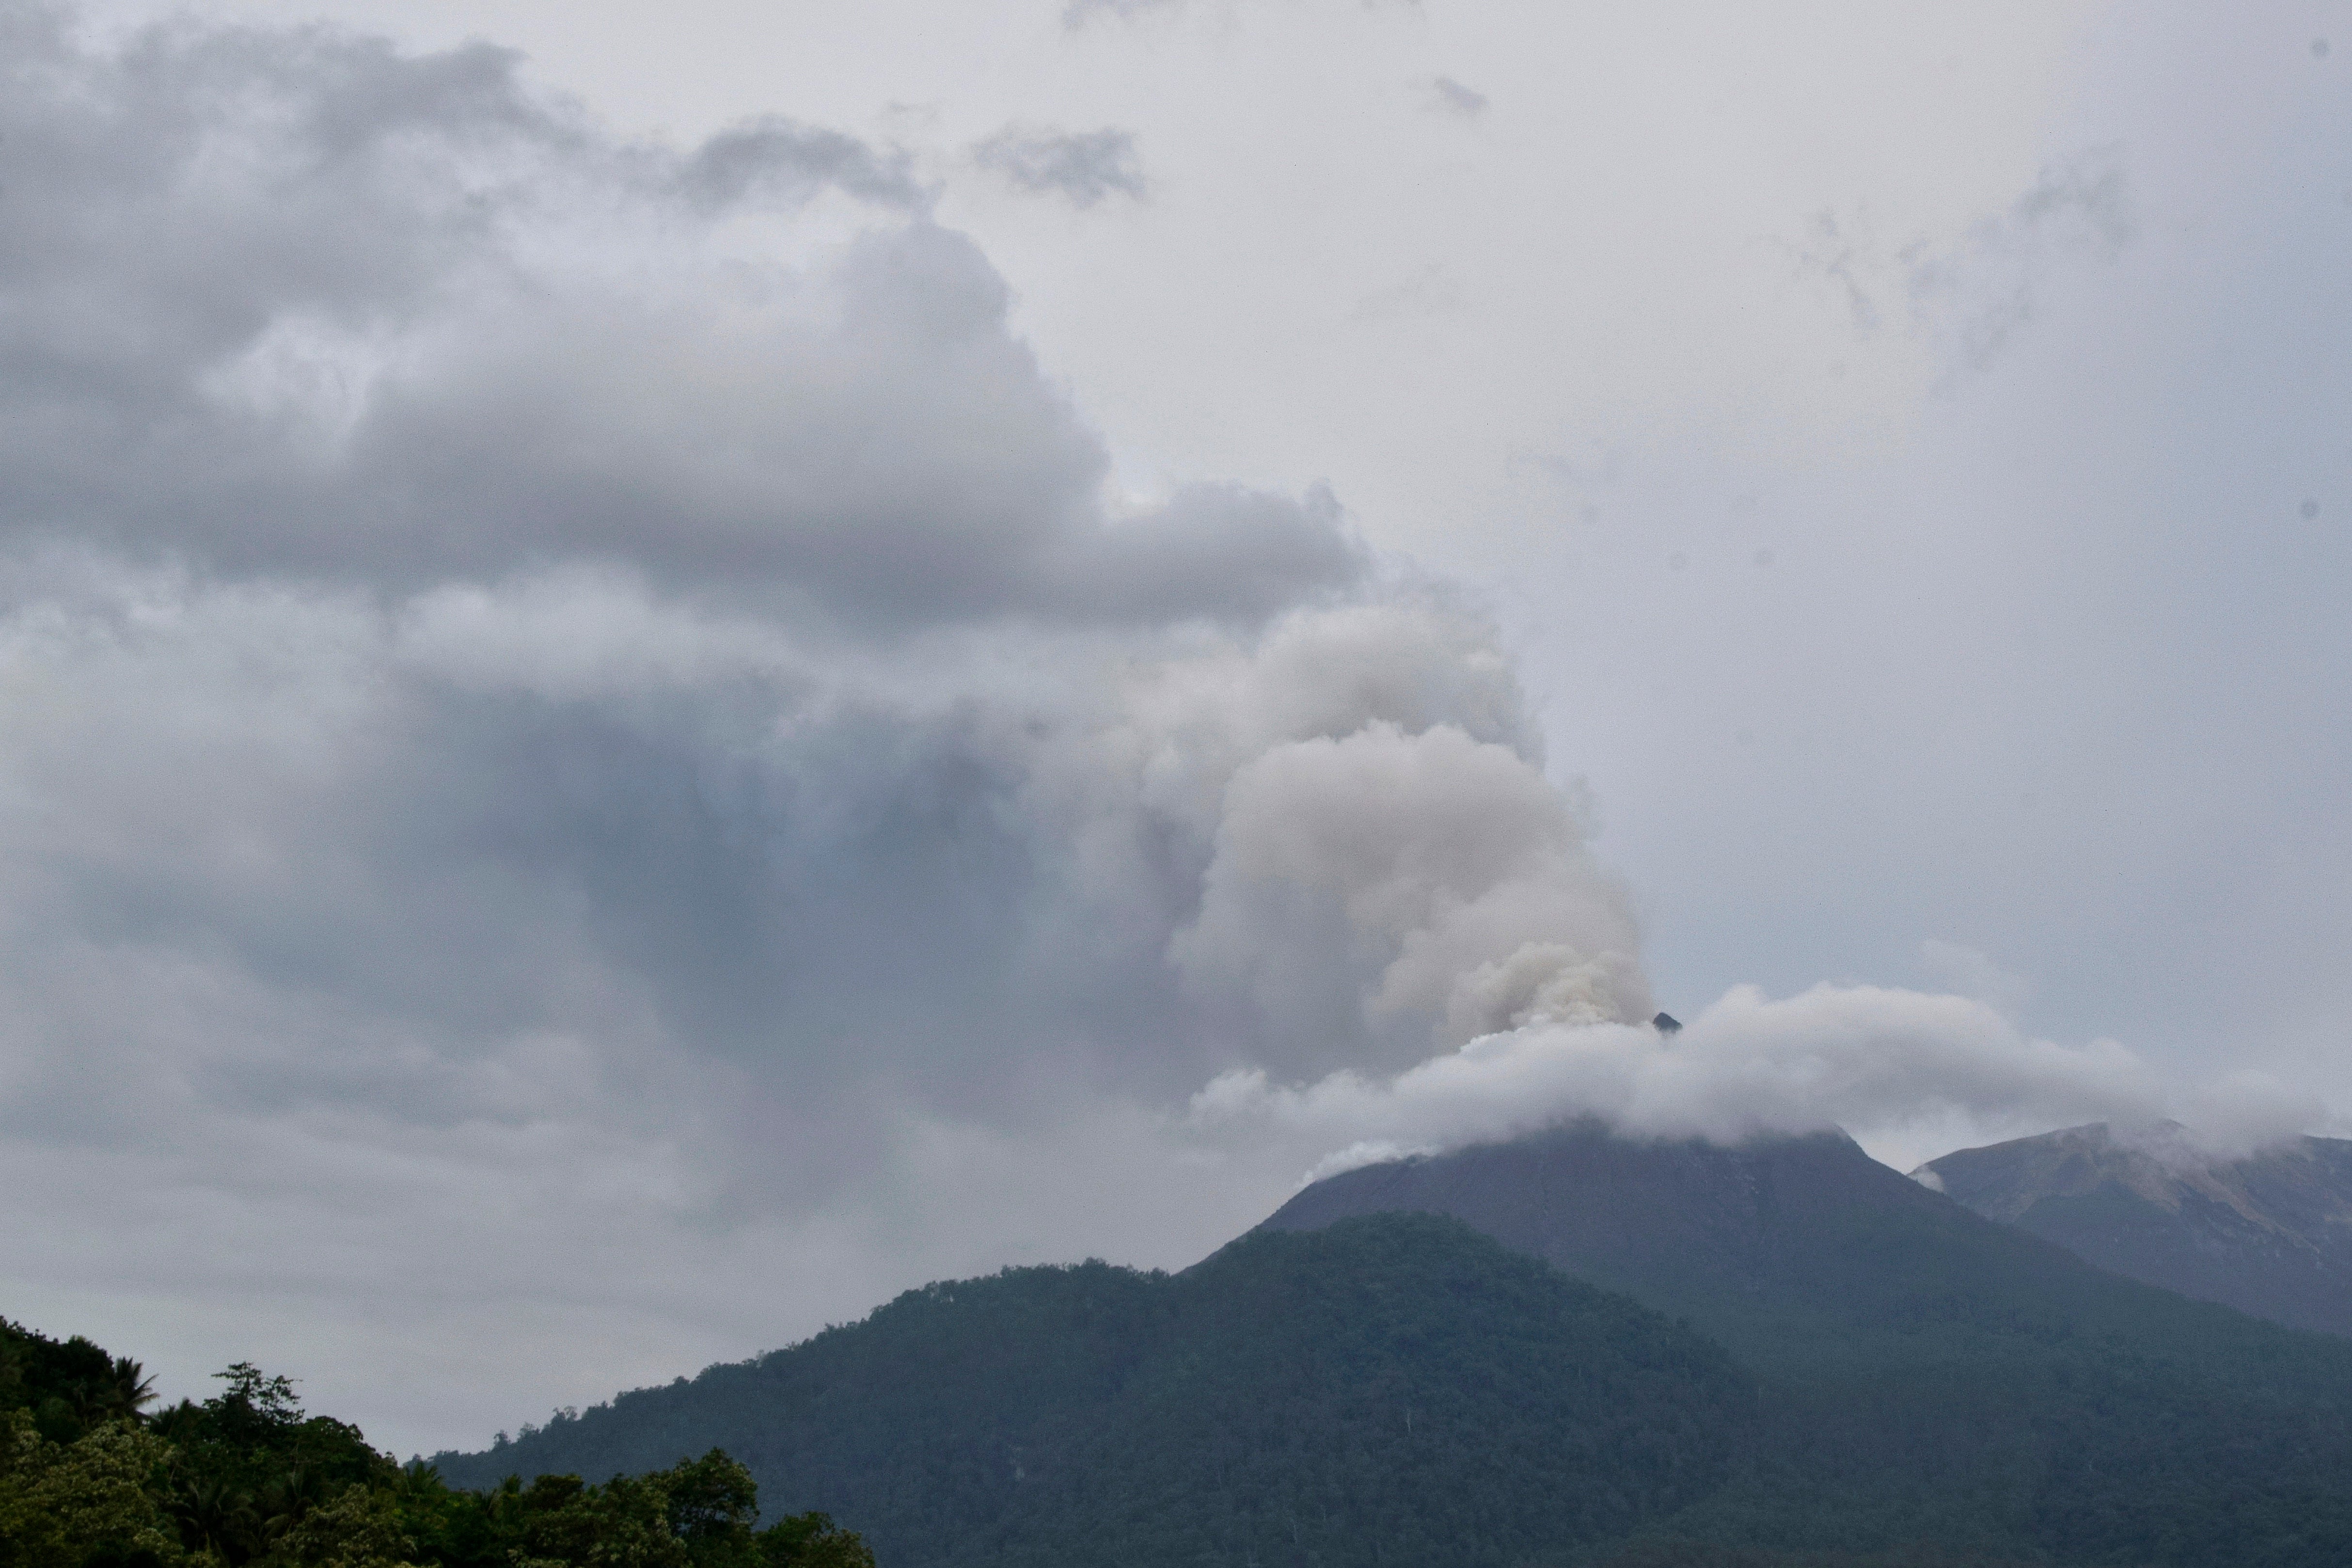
(1448, 879)
(1903, 1072)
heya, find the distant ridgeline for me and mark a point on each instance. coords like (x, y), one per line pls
(88, 1479)
(2268, 1233)
(1570, 1349)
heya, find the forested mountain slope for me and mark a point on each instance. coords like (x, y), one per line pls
(1932, 1375)
(2269, 1233)
(1395, 1390)
(1353, 1385)
(1363, 1386)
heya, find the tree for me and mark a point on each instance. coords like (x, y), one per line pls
(813, 1540)
(358, 1527)
(249, 1480)
(96, 1498)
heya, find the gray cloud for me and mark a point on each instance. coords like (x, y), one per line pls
(1432, 291)
(1447, 96)
(1969, 294)
(1079, 12)
(292, 302)
(1083, 167)
(777, 160)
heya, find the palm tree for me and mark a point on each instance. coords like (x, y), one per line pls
(281, 1503)
(133, 1391)
(121, 1390)
(213, 1516)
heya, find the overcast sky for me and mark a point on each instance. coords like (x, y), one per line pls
(665, 670)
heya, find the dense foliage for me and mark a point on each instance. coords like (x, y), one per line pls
(87, 1480)
(68, 1386)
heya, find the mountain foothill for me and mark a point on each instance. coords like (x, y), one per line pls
(1574, 1349)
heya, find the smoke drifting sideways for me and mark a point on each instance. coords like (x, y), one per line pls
(1901, 1070)
(588, 757)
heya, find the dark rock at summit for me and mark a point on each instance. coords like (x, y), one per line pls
(2269, 1233)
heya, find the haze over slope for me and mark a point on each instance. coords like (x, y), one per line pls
(2268, 1233)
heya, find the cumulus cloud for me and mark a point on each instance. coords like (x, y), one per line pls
(290, 302)
(1083, 167)
(1450, 883)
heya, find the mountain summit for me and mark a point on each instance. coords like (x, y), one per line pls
(2269, 1234)
(1797, 1252)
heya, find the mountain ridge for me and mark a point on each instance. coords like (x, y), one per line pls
(1913, 1373)
(1780, 1246)
(2268, 1233)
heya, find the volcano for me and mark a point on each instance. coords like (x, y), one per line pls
(1797, 1252)
(1576, 1348)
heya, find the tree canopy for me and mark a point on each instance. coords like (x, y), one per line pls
(247, 1479)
